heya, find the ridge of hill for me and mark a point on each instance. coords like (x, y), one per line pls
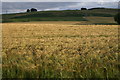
(64, 15)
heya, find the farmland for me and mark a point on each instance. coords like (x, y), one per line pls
(96, 16)
(39, 50)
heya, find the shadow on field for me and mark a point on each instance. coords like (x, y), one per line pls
(96, 24)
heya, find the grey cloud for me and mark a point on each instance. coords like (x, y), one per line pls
(60, 1)
(13, 7)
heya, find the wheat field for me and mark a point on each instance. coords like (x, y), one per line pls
(59, 51)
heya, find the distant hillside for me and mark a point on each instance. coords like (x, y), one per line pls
(65, 15)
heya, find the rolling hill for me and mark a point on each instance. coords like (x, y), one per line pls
(65, 15)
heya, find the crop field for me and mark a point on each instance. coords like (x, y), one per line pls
(60, 51)
(96, 16)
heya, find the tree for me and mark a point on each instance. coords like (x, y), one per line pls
(33, 10)
(117, 18)
(83, 8)
(28, 10)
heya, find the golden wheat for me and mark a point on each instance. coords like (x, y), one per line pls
(54, 50)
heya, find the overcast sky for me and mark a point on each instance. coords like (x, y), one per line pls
(57, 5)
(59, 0)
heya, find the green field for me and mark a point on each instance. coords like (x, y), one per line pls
(99, 16)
